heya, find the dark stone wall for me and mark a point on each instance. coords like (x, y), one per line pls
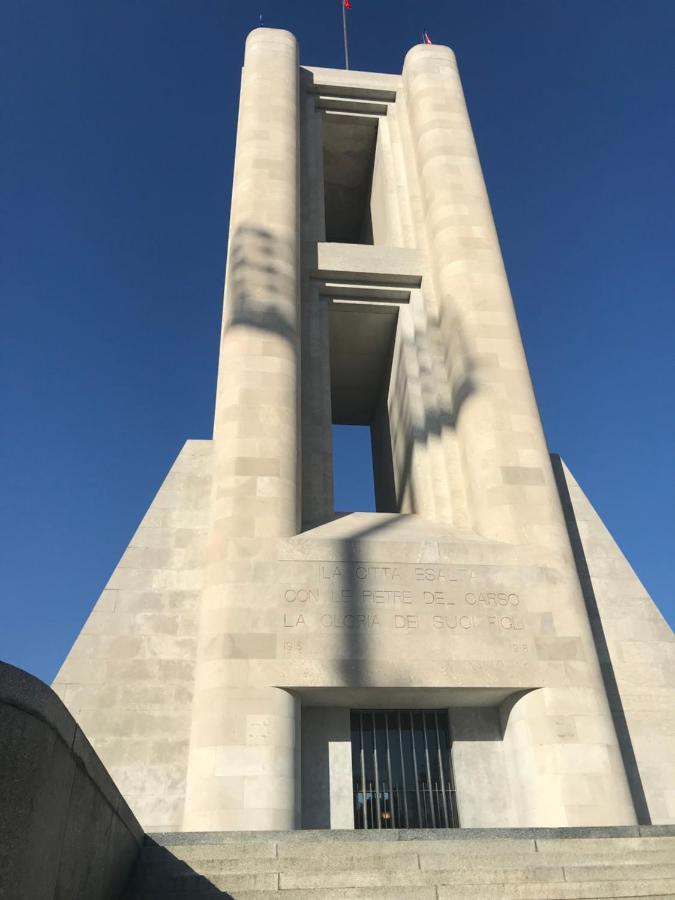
(65, 829)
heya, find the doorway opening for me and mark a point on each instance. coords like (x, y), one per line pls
(402, 770)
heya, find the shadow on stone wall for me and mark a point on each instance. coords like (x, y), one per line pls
(611, 687)
(434, 415)
(261, 284)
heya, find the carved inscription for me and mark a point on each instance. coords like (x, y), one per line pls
(258, 729)
(329, 620)
(403, 598)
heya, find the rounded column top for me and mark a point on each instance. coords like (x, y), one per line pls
(427, 52)
(277, 36)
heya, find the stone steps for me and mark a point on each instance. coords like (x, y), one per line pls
(509, 870)
(543, 864)
(403, 863)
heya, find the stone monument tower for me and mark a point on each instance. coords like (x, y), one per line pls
(477, 652)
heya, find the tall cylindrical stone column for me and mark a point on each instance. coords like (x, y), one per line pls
(512, 495)
(243, 760)
(256, 421)
(508, 477)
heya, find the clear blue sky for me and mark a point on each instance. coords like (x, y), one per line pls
(118, 124)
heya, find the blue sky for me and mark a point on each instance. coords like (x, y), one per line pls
(118, 123)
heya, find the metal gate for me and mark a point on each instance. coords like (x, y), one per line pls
(402, 769)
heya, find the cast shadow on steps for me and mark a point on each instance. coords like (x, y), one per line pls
(160, 874)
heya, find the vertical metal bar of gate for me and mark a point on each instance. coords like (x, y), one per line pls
(440, 769)
(377, 776)
(451, 789)
(426, 754)
(362, 759)
(417, 783)
(405, 786)
(391, 787)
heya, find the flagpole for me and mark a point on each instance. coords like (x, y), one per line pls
(344, 31)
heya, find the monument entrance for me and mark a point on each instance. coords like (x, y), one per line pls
(402, 769)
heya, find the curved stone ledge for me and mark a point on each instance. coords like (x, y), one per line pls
(65, 829)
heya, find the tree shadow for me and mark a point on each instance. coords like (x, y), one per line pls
(436, 416)
(261, 284)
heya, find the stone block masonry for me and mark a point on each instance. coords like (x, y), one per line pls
(248, 617)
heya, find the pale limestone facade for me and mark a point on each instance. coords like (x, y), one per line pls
(365, 285)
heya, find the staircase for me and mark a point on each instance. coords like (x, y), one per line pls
(546, 864)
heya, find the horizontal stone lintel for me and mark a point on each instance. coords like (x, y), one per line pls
(353, 291)
(345, 104)
(353, 92)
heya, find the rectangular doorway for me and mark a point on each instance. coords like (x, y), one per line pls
(402, 769)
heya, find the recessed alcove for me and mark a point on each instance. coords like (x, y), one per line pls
(349, 144)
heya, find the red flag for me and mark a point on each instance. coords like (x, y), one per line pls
(347, 4)
(427, 39)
